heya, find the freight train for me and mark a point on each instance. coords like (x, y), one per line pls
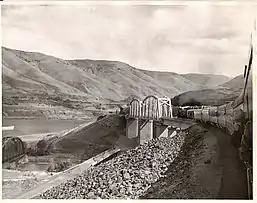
(230, 116)
(235, 117)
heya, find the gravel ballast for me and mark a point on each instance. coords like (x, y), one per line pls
(127, 176)
(207, 167)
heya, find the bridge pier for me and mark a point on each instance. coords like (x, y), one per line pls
(172, 132)
(146, 132)
(132, 128)
(165, 131)
(151, 129)
(161, 131)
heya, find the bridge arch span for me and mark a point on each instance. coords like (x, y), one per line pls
(12, 149)
(150, 107)
(135, 108)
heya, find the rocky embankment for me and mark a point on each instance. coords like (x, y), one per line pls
(181, 182)
(20, 181)
(127, 176)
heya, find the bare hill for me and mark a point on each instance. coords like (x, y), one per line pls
(207, 80)
(42, 85)
(39, 73)
(218, 95)
(235, 83)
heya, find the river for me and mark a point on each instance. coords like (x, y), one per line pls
(35, 126)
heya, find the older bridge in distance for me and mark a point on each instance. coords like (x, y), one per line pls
(152, 118)
(12, 148)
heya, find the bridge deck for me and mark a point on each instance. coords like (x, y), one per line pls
(175, 122)
(178, 122)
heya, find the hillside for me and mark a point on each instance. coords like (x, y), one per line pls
(237, 82)
(95, 138)
(207, 80)
(38, 85)
(218, 95)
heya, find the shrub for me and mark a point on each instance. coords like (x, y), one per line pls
(59, 165)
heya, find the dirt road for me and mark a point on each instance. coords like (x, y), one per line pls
(208, 167)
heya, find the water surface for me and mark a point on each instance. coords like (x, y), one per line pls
(35, 126)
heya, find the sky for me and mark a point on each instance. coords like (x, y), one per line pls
(193, 38)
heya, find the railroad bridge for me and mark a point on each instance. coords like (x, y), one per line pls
(152, 118)
(12, 148)
(147, 119)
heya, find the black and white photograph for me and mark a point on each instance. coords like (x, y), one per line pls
(128, 100)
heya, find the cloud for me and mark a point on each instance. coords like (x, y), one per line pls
(191, 38)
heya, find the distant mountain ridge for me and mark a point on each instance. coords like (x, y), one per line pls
(36, 73)
(217, 95)
(236, 82)
(209, 80)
